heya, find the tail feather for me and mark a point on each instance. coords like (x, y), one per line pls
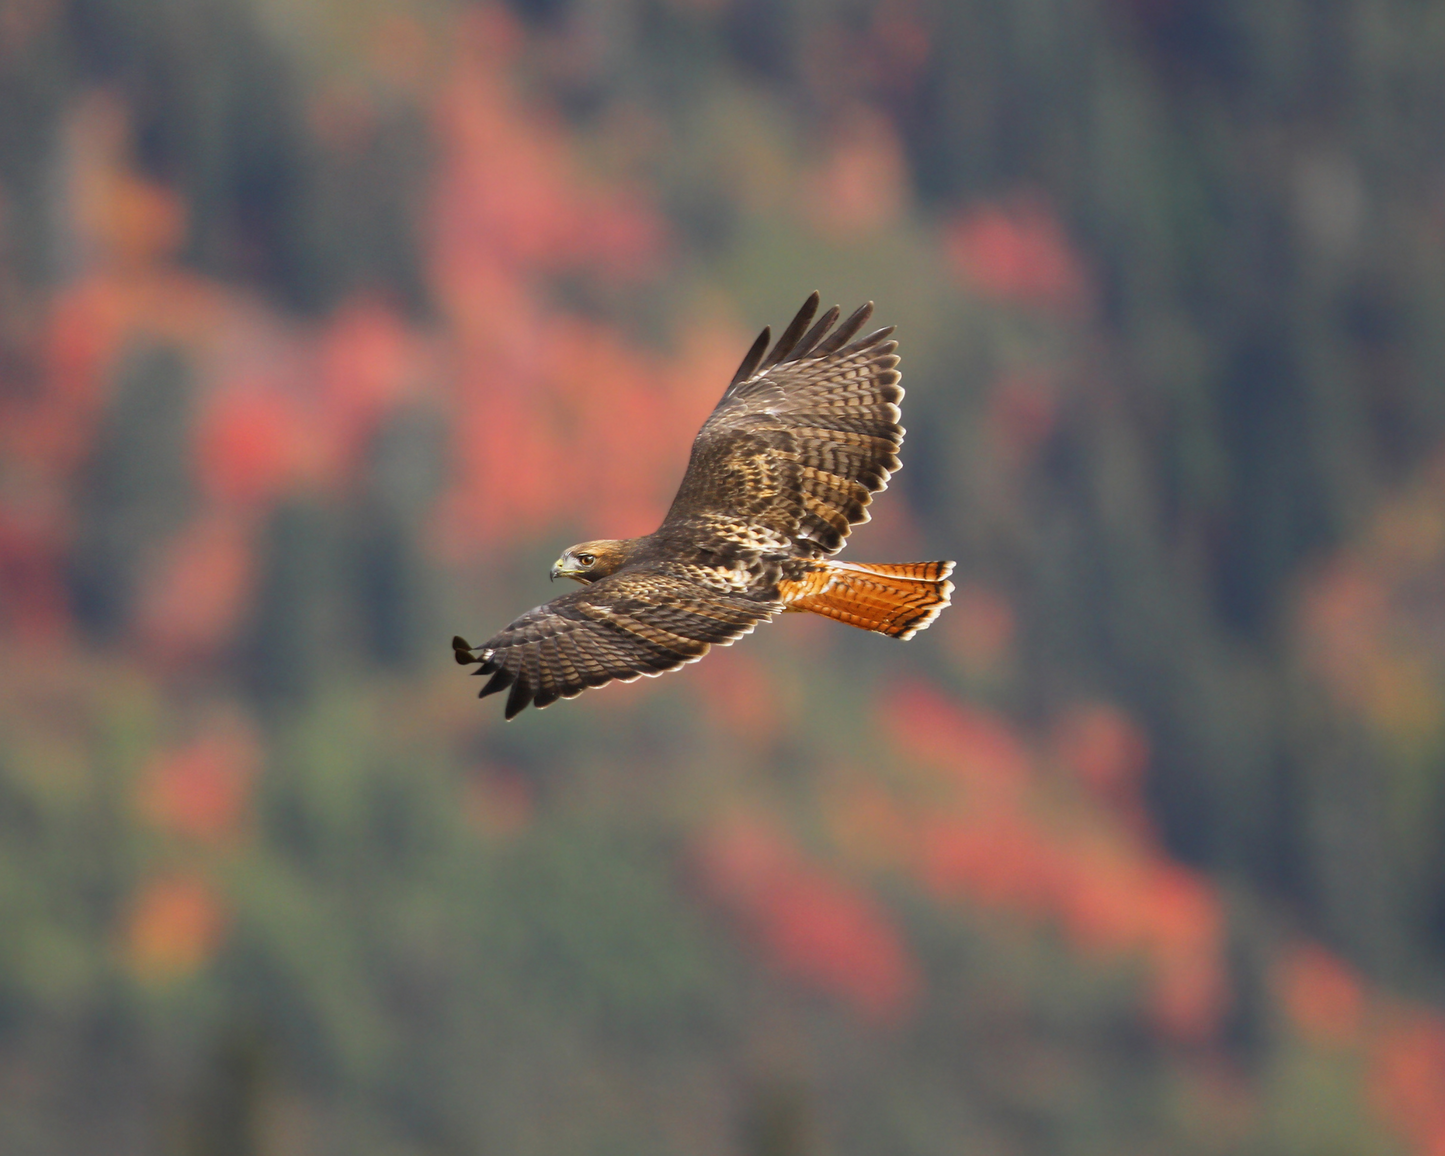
(897, 599)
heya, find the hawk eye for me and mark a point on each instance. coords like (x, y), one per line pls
(586, 559)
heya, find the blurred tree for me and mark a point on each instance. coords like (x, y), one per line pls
(376, 298)
(136, 489)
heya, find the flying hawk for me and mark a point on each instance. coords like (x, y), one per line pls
(780, 472)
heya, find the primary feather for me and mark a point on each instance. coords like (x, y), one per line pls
(787, 463)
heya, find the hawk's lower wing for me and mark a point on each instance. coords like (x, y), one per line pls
(621, 627)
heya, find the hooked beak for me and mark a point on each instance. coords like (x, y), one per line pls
(557, 570)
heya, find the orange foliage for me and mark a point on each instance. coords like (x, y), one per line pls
(1407, 1077)
(863, 184)
(809, 922)
(552, 417)
(555, 417)
(580, 425)
(508, 192)
(1110, 755)
(1183, 936)
(201, 790)
(53, 430)
(1017, 253)
(545, 407)
(994, 859)
(254, 441)
(1101, 744)
(975, 745)
(1322, 995)
(175, 927)
(1401, 1045)
(1369, 621)
(369, 363)
(128, 221)
(192, 601)
(1005, 838)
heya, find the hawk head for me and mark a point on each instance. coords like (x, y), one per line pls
(588, 561)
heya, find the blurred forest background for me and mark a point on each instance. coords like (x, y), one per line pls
(325, 323)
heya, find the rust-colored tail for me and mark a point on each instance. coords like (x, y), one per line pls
(897, 599)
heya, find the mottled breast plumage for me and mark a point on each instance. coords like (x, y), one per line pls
(787, 463)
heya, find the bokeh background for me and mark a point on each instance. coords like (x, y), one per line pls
(325, 323)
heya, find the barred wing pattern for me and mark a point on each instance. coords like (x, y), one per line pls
(636, 622)
(781, 471)
(804, 436)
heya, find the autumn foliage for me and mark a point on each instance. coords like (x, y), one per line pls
(215, 500)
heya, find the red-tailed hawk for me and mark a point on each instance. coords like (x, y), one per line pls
(780, 472)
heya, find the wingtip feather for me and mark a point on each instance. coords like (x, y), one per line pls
(809, 341)
(500, 680)
(519, 698)
(788, 341)
(846, 331)
(753, 358)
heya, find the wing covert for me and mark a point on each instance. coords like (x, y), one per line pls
(633, 623)
(803, 437)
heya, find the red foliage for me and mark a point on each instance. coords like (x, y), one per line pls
(977, 746)
(1183, 930)
(1006, 841)
(508, 192)
(32, 600)
(369, 363)
(53, 428)
(863, 185)
(1110, 755)
(1017, 253)
(996, 860)
(196, 593)
(1407, 1077)
(254, 442)
(809, 922)
(1322, 995)
(1101, 744)
(201, 790)
(545, 407)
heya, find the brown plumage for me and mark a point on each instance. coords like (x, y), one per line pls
(787, 463)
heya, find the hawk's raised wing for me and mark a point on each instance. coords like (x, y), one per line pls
(638, 621)
(804, 436)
